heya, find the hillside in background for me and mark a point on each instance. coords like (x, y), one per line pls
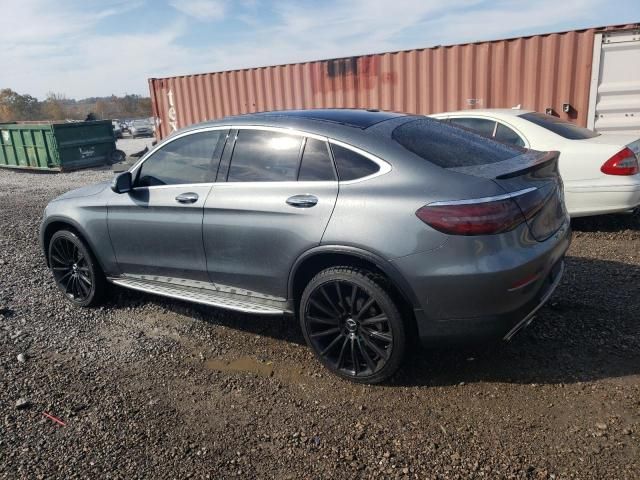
(15, 107)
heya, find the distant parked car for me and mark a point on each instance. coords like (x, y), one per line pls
(141, 128)
(117, 131)
(600, 172)
(372, 227)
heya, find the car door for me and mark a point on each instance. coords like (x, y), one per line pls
(156, 228)
(275, 194)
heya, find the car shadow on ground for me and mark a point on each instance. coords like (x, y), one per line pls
(588, 331)
(607, 223)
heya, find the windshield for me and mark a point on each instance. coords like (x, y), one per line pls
(560, 127)
(448, 146)
(141, 123)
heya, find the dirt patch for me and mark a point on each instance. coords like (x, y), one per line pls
(149, 387)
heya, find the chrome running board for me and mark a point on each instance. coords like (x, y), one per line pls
(204, 296)
(529, 318)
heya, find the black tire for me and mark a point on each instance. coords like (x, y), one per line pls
(75, 269)
(117, 156)
(353, 325)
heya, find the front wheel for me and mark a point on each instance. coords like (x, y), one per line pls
(75, 270)
(353, 325)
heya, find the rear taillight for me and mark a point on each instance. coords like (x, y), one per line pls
(484, 216)
(622, 163)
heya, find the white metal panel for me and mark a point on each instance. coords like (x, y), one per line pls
(595, 80)
(617, 102)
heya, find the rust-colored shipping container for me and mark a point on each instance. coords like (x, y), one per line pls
(538, 72)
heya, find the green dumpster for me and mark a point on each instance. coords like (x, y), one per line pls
(57, 146)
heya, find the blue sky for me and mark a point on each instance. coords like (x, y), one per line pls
(87, 48)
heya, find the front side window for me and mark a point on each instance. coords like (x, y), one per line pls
(264, 156)
(554, 124)
(352, 165)
(506, 135)
(316, 162)
(185, 160)
(480, 125)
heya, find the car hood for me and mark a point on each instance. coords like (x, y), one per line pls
(84, 191)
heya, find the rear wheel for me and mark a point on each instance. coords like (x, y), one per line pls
(75, 270)
(353, 325)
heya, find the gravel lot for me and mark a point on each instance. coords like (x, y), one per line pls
(152, 388)
(132, 145)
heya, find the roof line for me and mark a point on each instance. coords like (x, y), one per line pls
(626, 26)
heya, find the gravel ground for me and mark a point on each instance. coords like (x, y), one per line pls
(152, 388)
(132, 145)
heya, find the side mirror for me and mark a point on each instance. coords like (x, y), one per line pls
(122, 183)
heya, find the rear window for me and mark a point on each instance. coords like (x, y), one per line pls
(560, 127)
(450, 147)
(480, 125)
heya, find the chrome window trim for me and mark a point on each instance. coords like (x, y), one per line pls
(494, 198)
(284, 183)
(384, 167)
(181, 185)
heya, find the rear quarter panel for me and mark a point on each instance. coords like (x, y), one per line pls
(378, 214)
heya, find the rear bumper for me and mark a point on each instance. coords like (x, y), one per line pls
(554, 279)
(487, 296)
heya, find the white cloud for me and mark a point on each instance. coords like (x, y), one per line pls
(201, 9)
(65, 49)
(58, 49)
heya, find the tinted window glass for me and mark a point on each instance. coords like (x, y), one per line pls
(506, 135)
(481, 126)
(448, 146)
(185, 160)
(560, 127)
(316, 162)
(352, 165)
(261, 156)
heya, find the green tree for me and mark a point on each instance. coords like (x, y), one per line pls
(16, 107)
(53, 108)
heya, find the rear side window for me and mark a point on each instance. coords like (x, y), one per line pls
(185, 160)
(352, 165)
(316, 162)
(479, 125)
(450, 147)
(263, 156)
(560, 127)
(506, 135)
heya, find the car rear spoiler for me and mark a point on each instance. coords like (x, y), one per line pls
(513, 167)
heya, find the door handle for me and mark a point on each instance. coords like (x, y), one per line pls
(189, 197)
(302, 201)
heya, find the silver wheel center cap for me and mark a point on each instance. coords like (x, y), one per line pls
(351, 324)
(75, 267)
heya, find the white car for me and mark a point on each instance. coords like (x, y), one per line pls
(600, 172)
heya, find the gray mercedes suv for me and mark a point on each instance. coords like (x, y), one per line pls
(371, 227)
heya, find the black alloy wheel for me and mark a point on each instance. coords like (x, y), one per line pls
(75, 271)
(353, 325)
